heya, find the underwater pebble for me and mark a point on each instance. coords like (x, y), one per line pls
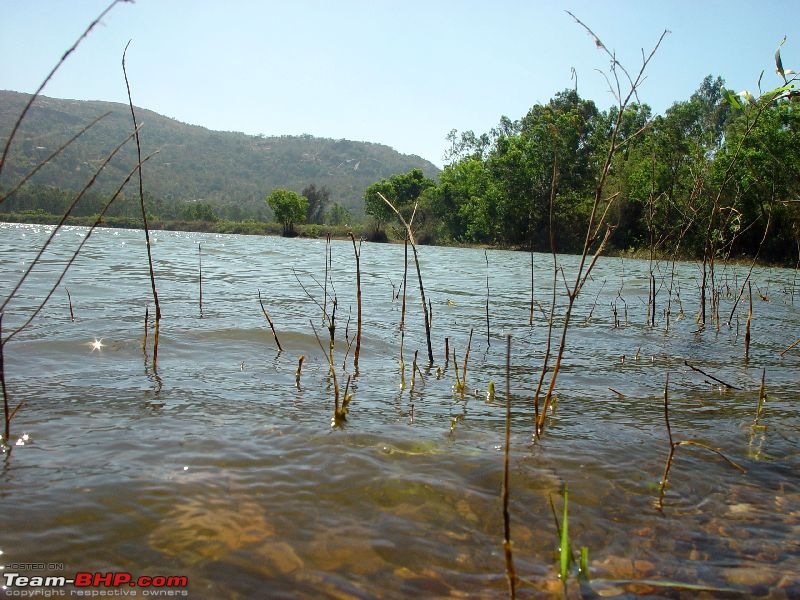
(465, 511)
(790, 580)
(750, 576)
(619, 567)
(610, 592)
(282, 556)
(742, 507)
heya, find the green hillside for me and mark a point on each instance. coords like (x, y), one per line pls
(232, 171)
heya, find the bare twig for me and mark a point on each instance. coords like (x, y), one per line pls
(410, 234)
(790, 346)
(510, 573)
(69, 299)
(357, 252)
(331, 370)
(144, 214)
(6, 430)
(673, 445)
(693, 368)
(488, 340)
(747, 328)
(271, 325)
(299, 371)
(200, 269)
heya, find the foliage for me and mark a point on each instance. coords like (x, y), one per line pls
(338, 215)
(707, 176)
(199, 211)
(403, 190)
(318, 201)
(288, 207)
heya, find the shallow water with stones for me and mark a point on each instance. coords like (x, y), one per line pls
(217, 467)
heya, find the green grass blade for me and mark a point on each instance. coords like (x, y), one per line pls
(565, 554)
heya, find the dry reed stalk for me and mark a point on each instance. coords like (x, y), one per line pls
(537, 428)
(299, 371)
(9, 415)
(698, 370)
(357, 252)
(413, 372)
(69, 299)
(341, 415)
(200, 269)
(762, 397)
(530, 312)
(328, 264)
(488, 340)
(750, 272)
(507, 548)
(146, 319)
(747, 327)
(459, 384)
(653, 312)
(790, 346)
(271, 324)
(410, 237)
(403, 318)
(7, 429)
(594, 305)
(332, 331)
(464, 370)
(144, 214)
(673, 446)
(331, 368)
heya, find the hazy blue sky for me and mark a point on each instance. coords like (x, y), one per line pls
(401, 73)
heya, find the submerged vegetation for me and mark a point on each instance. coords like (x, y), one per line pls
(703, 180)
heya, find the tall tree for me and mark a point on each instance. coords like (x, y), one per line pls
(403, 190)
(318, 201)
(288, 207)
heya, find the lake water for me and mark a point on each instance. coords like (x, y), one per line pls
(217, 467)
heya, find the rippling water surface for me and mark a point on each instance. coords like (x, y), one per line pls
(218, 467)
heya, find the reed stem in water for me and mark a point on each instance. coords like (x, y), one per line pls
(271, 324)
(510, 573)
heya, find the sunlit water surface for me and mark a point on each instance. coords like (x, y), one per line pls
(218, 467)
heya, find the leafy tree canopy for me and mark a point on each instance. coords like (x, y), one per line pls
(288, 207)
(401, 190)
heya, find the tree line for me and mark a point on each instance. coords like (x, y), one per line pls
(717, 169)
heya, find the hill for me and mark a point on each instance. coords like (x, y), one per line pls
(232, 171)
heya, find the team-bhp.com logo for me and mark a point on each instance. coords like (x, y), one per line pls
(94, 584)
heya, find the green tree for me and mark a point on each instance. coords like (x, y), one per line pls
(200, 211)
(560, 140)
(318, 201)
(759, 165)
(402, 190)
(338, 215)
(464, 202)
(288, 207)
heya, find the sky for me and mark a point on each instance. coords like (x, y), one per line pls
(398, 72)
